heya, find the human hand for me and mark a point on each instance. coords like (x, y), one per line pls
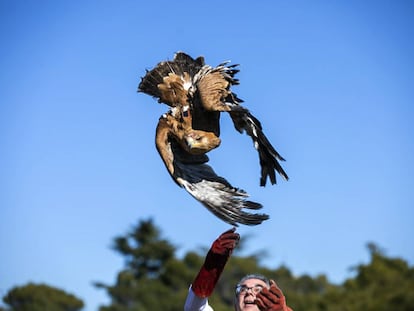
(272, 299)
(226, 242)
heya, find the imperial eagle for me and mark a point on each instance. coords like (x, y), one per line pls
(197, 94)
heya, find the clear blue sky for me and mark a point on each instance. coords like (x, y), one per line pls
(331, 82)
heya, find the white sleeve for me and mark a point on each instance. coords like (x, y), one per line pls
(194, 303)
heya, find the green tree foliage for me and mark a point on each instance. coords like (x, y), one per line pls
(383, 284)
(41, 297)
(154, 279)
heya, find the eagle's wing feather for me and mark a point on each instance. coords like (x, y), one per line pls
(161, 81)
(213, 86)
(217, 194)
(227, 203)
(269, 158)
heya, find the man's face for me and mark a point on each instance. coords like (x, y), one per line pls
(246, 297)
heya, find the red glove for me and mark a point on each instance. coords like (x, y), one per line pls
(220, 251)
(272, 299)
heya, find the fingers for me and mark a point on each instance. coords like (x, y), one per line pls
(229, 244)
(230, 230)
(229, 237)
(226, 242)
(271, 299)
(263, 301)
(260, 304)
(267, 296)
(275, 290)
(229, 234)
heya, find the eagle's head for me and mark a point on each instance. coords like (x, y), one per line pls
(200, 142)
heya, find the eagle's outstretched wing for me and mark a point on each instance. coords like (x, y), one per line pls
(191, 172)
(214, 89)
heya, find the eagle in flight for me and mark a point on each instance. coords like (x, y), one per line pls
(196, 94)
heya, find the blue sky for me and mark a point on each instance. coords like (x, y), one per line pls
(331, 82)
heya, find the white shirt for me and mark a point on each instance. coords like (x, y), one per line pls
(195, 303)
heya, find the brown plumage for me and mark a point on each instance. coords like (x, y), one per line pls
(197, 93)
